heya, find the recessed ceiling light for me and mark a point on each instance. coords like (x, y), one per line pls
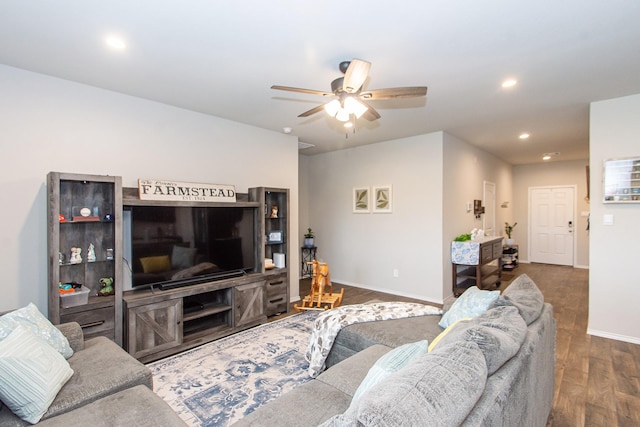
(524, 136)
(546, 157)
(509, 83)
(115, 42)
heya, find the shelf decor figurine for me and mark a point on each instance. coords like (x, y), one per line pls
(75, 258)
(274, 212)
(107, 287)
(91, 253)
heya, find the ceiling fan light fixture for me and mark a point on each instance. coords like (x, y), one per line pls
(355, 107)
(332, 107)
(343, 115)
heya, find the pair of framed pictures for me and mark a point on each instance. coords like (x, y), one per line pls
(377, 199)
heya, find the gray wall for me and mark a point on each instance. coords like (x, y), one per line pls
(614, 284)
(570, 173)
(52, 124)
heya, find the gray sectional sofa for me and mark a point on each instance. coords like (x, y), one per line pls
(497, 369)
(108, 388)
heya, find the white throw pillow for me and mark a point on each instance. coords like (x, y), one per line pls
(31, 374)
(32, 319)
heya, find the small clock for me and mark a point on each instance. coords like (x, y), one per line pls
(85, 212)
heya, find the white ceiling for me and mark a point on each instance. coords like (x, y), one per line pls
(221, 57)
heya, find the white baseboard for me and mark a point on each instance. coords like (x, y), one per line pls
(617, 337)
(386, 291)
(586, 267)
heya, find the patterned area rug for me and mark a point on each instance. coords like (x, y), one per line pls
(220, 382)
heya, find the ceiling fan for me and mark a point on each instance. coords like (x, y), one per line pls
(349, 97)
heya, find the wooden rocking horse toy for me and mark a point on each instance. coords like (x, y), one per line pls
(321, 281)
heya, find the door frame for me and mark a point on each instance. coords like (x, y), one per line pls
(486, 183)
(575, 207)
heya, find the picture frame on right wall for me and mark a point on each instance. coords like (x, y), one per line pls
(621, 180)
(382, 199)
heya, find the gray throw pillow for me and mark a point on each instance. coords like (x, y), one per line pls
(499, 333)
(437, 389)
(525, 295)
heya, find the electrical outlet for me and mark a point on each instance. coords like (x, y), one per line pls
(396, 273)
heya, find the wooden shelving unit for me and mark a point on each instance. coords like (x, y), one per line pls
(82, 210)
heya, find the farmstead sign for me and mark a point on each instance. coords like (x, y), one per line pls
(172, 191)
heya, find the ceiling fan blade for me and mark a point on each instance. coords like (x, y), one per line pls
(300, 90)
(394, 93)
(356, 75)
(371, 114)
(312, 111)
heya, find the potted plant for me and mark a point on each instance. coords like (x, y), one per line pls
(308, 238)
(509, 229)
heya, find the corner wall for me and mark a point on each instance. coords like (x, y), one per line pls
(364, 249)
(614, 284)
(465, 169)
(53, 124)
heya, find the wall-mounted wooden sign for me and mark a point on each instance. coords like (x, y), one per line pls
(151, 189)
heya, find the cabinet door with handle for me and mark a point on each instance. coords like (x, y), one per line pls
(249, 303)
(154, 327)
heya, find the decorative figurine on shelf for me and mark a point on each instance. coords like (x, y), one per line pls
(61, 218)
(108, 218)
(75, 258)
(91, 253)
(107, 287)
(274, 212)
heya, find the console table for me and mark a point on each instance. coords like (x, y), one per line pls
(476, 263)
(308, 254)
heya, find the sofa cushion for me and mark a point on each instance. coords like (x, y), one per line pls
(101, 369)
(499, 333)
(438, 389)
(347, 375)
(391, 362)
(472, 303)
(31, 318)
(133, 407)
(392, 333)
(31, 374)
(525, 295)
(444, 333)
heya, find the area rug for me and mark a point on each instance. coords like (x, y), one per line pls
(220, 382)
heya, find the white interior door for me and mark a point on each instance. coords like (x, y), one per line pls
(551, 225)
(489, 203)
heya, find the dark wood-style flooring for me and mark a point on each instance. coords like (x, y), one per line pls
(597, 379)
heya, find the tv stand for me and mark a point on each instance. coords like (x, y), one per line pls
(159, 324)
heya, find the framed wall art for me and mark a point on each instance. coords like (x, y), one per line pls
(621, 180)
(382, 199)
(361, 200)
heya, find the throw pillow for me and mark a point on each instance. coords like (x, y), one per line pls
(32, 319)
(499, 334)
(438, 389)
(391, 362)
(182, 257)
(472, 303)
(442, 334)
(155, 264)
(525, 295)
(31, 374)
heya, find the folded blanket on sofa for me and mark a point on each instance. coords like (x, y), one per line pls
(328, 324)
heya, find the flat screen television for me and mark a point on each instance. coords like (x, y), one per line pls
(174, 246)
